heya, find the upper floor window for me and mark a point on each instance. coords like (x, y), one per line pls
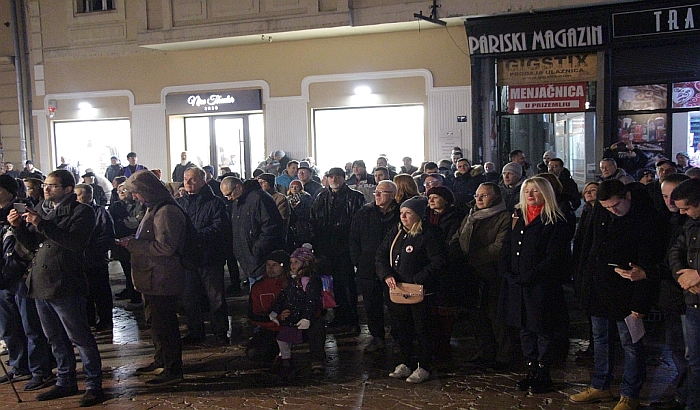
(88, 6)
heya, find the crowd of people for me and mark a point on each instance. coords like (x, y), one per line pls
(304, 244)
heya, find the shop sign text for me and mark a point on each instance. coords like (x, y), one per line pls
(541, 98)
(656, 21)
(572, 37)
(538, 70)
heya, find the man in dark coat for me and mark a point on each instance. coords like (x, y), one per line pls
(257, 225)
(208, 214)
(305, 175)
(30, 172)
(331, 216)
(684, 259)
(98, 194)
(369, 227)
(179, 171)
(58, 229)
(97, 262)
(466, 180)
(619, 272)
(570, 190)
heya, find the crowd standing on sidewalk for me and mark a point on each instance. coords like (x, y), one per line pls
(303, 245)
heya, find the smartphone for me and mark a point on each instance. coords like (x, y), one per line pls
(20, 207)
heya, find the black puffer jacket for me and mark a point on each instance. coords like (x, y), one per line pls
(368, 230)
(59, 241)
(302, 304)
(331, 217)
(412, 259)
(684, 254)
(257, 227)
(209, 215)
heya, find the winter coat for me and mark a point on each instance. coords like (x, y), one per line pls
(365, 179)
(369, 228)
(14, 264)
(570, 190)
(511, 195)
(283, 207)
(262, 297)
(302, 303)
(300, 219)
(282, 182)
(59, 242)
(101, 240)
(485, 240)
(685, 254)
(464, 186)
(155, 261)
(126, 217)
(412, 259)
(35, 173)
(531, 260)
(620, 240)
(209, 215)
(257, 227)
(179, 171)
(671, 298)
(331, 217)
(619, 174)
(112, 172)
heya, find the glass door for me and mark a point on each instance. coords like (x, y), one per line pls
(230, 143)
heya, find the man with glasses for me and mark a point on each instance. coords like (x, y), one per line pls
(369, 227)
(59, 229)
(257, 226)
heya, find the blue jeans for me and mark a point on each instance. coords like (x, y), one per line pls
(21, 329)
(604, 354)
(65, 323)
(691, 333)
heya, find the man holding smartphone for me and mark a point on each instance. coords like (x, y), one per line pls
(619, 272)
(58, 231)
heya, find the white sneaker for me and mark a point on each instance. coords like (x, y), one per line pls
(400, 372)
(418, 376)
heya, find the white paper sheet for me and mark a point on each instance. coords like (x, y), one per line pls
(636, 327)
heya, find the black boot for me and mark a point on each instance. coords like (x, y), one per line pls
(525, 383)
(542, 382)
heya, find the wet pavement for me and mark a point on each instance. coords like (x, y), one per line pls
(219, 377)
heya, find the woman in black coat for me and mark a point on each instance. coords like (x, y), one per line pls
(412, 253)
(532, 298)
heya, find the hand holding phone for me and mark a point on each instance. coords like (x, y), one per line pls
(20, 207)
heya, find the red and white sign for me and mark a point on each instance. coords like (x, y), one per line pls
(540, 98)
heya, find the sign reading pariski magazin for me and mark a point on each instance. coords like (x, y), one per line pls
(573, 37)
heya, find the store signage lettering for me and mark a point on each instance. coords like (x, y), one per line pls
(218, 101)
(536, 70)
(211, 103)
(656, 21)
(573, 37)
(542, 98)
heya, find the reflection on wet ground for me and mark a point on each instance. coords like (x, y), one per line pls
(223, 377)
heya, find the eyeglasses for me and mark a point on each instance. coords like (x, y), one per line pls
(384, 192)
(479, 196)
(123, 191)
(429, 183)
(52, 186)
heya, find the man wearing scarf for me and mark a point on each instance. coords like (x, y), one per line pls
(479, 240)
(58, 230)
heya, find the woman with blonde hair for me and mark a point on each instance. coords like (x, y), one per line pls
(532, 299)
(405, 187)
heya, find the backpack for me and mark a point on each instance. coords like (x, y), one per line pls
(191, 250)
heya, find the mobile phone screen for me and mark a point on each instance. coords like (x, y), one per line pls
(20, 207)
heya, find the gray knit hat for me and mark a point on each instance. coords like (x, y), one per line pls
(513, 167)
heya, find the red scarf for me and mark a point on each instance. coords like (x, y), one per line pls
(533, 212)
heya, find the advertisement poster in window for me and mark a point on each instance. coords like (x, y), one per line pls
(686, 95)
(642, 97)
(646, 131)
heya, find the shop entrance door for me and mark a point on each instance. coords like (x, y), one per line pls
(224, 141)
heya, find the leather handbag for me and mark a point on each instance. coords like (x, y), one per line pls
(407, 293)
